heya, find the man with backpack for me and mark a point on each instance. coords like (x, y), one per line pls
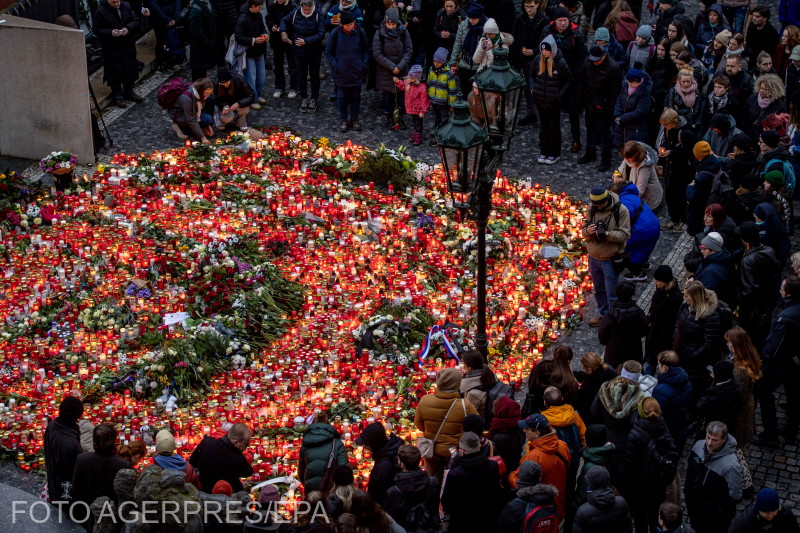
(603, 511)
(544, 447)
(713, 484)
(348, 52)
(413, 500)
(534, 509)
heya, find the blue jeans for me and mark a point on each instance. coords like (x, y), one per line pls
(255, 74)
(349, 100)
(605, 279)
(736, 16)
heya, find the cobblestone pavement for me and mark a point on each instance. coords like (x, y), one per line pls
(145, 127)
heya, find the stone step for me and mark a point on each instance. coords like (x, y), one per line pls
(20, 511)
(145, 52)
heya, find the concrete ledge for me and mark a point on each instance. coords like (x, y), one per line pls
(145, 52)
(30, 514)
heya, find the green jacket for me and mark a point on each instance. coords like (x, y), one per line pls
(601, 456)
(442, 86)
(315, 452)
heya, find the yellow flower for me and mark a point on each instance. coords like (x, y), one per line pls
(2, 176)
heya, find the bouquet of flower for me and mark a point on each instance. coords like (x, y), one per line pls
(394, 332)
(106, 315)
(388, 166)
(58, 162)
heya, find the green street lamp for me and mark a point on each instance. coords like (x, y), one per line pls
(470, 157)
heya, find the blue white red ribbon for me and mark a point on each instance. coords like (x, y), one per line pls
(451, 345)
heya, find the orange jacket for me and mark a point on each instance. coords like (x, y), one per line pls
(554, 468)
(564, 415)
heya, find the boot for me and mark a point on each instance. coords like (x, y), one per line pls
(588, 157)
(389, 121)
(605, 164)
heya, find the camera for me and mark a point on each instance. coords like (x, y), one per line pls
(602, 232)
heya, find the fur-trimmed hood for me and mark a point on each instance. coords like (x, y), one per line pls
(541, 494)
(620, 397)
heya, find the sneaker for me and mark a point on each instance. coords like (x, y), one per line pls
(312, 105)
(542, 160)
(179, 132)
(552, 160)
(292, 94)
(594, 322)
(668, 225)
(304, 105)
(255, 105)
(646, 267)
(278, 93)
(262, 100)
(641, 276)
(344, 126)
(355, 125)
(133, 97)
(680, 227)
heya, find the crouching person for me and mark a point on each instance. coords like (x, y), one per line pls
(192, 112)
(233, 97)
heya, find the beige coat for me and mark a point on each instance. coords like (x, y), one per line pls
(617, 234)
(432, 409)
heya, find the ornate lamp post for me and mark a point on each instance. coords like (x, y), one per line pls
(471, 154)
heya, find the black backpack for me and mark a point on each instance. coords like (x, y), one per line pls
(418, 518)
(661, 461)
(492, 395)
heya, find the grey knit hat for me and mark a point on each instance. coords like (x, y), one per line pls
(530, 474)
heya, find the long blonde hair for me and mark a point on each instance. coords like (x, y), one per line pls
(704, 301)
(546, 64)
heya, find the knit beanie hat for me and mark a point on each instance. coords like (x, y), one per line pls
(222, 487)
(343, 476)
(560, 13)
(392, 16)
(713, 241)
(720, 122)
(415, 72)
(742, 141)
(490, 26)
(441, 54)
(475, 11)
(473, 423)
(347, 17)
(767, 500)
(598, 478)
(663, 274)
(599, 195)
(374, 436)
(165, 442)
(723, 371)
(530, 474)
(748, 232)
(596, 436)
(724, 37)
(224, 74)
(701, 150)
(771, 138)
(602, 34)
(634, 74)
(645, 32)
(71, 409)
(775, 177)
(269, 493)
(751, 182)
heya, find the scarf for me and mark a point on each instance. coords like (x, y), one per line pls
(631, 90)
(391, 34)
(474, 34)
(199, 101)
(715, 103)
(689, 95)
(764, 102)
(313, 10)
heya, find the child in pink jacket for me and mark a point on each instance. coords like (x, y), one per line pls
(417, 103)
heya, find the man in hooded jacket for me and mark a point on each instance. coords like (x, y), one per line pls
(603, 511)
(384, 454)
(531, 493)
(62, 446)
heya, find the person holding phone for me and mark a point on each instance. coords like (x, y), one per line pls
(116, 24)
(251, 32)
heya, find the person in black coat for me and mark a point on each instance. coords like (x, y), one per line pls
(780, 366)
(742, 161)
(765, 514)
(603, 511)
(698, 192)
(661, 317)
(163, 16)
(471, 510)
(226, 13)
(698, 338)
(232, 98)
(304, 29)
(662, 71)
(715, 270)
(758, 274)
(62, 445)
(527, 33)
(530, 493)
(251, 32)
(411, 487)
(644, 494)
(506, 435)
(224, 458)
(445, 25)
(742, 87)
(281, 50)
(632, 110)
(203, 47)
(761, 34)
(384, 454)
(674, 394)
(769, 88)
(348, 53)
(551, 77)
(622, 328)
(599, 79)
(721, 400)
(116, 24)
(595, 372)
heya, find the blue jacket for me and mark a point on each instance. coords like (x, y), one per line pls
(311, 29)
(789, 13)
(163, 11)
(633, 112)
(674, 395)
(717, 274)
(337, 10)
(348, 55)
(705, 33)
(784, 335)
(645, 231)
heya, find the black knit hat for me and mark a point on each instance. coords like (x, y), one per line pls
(560, 13)
(343, 476)
(771, 138)
(720, 122)
(663, 274)
(71, 408)
(742, 142)
(374, 436)
(723, 371)
(473, 423)
(224, 74)
(596, 435)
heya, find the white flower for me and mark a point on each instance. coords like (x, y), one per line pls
(199, 369)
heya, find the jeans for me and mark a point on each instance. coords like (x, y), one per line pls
(308, 66)
(222, 119)
(204, 120)
(736, 16)
(440, 114)
(599, 125)
(605, 279)
(392, 99)
(348, 98)
(550, 131)
(255, 73)
(282, 52)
